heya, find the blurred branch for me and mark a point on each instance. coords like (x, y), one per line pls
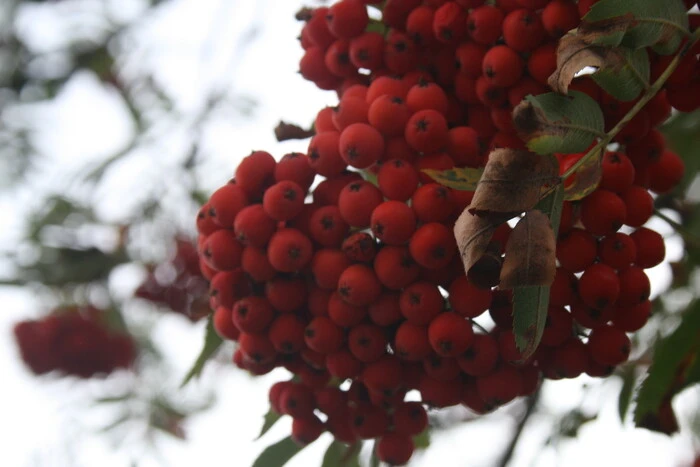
(531, 404)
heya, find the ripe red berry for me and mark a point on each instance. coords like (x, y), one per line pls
(450, 334)
(599, 286)
(361, 145)
(289, 250)
(559, 17)
(617, 250)
(617, 172)
(502, 66)
(433, 245)
(608, 345)
(639, 206)
(323, 335)
(523, 30)
(411, 341)
(359, 285)
(395, 449)
(253, 226)
(255, 173)
(252, 314)
(283, 201)
(389, 115)
(357, 201)
(324, 153)
(222, 251)
(395, 268)
(347, 18)
(484, 24)
(286, 333)
(426, 131)
(603, 212)
(651, 248)
(226, 202)
(397, 179)
(367, 342)
(393, 222)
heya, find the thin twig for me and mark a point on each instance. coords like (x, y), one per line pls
(529, 410)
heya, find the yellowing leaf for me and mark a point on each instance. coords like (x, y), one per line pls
(464, 178)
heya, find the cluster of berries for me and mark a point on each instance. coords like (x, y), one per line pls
(177, 284)
(73, 341)
(357, 288)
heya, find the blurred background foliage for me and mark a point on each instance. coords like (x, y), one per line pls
(66, 248)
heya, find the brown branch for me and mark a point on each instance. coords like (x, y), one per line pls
(531, 403)
(285, 131)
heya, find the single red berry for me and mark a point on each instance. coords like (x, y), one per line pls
(651, 248)
(603, 212)
(433, 245)
(359, 285)
(450, 334)
(395, 449)
(289, 250)
(395, 268)
(599, 286)
(608, 345)
(426, 131)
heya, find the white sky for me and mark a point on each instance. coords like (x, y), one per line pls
(37, 424)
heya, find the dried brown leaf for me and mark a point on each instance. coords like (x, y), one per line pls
(513, 182)
(473, 235)
(595, 32)
(574, 53)
(530, 258)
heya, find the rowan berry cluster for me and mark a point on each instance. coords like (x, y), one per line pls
(177, 284)
(73, 341)
(316, 269)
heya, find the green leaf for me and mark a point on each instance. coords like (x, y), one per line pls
(465, 178)
(422, 440)
(692, 375)
(638, 23)
(626, 82)
(585, 179)
(278, 454)
(269, 420)
(212, 342)
(530, 304)
(669, 354)
(374, 459)
(552, 122)
(340, 455)
(629, 377)
(376, 25)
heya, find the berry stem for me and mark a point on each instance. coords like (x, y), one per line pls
(648, 95)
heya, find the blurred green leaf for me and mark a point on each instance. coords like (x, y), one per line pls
(212, 342)
(278, 454)
(340, 455)
(422, 440)
(269, 420)
(669, 354)
(629, 377)
(530, 304)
